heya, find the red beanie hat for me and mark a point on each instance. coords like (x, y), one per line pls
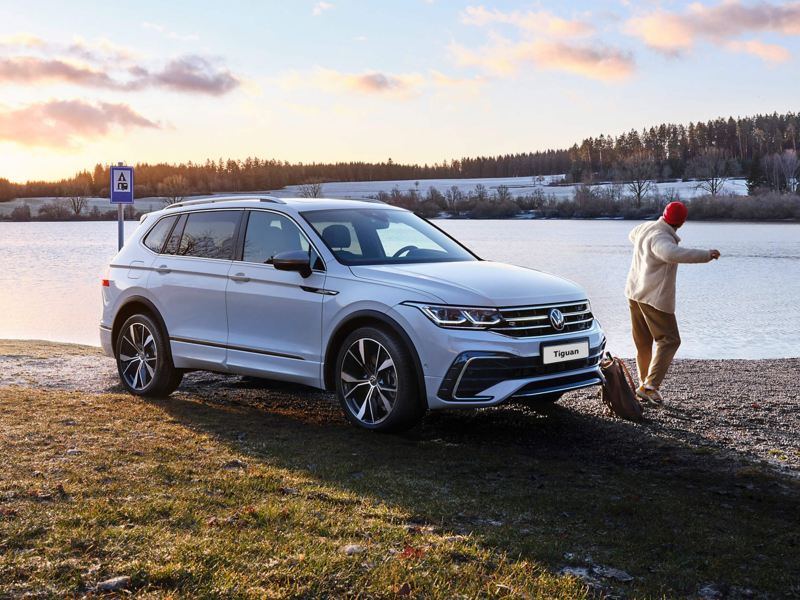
(675, 213)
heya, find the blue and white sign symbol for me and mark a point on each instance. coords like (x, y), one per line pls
(121, 185)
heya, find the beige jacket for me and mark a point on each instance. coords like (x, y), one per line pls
(656, 255)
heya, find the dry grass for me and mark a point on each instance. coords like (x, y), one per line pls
(191, 497)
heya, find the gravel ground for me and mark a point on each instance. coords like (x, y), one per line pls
(721, 412)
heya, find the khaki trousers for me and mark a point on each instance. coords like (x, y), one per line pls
(652, 325)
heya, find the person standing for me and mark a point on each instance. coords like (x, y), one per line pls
(650, 290)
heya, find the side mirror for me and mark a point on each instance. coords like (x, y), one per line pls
(293, 260)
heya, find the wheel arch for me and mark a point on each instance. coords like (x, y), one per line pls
(364, 318)
(135, 305)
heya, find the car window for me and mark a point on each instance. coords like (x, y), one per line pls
(372, 236)
(175, 237)
(348, 245)
(269, 234)
(158, 235)
(209, 234)
(397, 236)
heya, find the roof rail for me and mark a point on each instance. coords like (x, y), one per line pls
(214, 199)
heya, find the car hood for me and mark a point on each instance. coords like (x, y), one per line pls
(475, 283)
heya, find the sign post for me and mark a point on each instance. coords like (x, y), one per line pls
(121, 194)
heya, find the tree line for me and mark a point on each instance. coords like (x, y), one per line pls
(753, 146)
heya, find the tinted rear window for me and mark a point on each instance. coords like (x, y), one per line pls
(158, 234)
(209, 234)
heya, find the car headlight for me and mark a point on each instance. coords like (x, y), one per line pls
(462, 317)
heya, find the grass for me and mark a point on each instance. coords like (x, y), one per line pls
(194, 496)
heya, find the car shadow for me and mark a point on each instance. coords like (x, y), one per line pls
(554, 485)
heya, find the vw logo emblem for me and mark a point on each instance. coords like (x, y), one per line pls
(556, 319)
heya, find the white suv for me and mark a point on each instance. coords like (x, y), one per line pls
(360, 298)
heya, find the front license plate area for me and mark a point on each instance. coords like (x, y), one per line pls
(557, 353)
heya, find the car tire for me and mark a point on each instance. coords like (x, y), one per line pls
(377, 381)
(144, 362)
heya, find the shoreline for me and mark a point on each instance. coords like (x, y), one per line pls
(742, 408)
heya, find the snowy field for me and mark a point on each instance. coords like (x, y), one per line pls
(518, 186)
(102, 204)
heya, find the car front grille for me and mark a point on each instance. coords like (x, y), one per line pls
(534, 321)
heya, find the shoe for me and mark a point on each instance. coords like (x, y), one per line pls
(649, 395)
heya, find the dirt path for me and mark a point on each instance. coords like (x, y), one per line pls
(747, 410)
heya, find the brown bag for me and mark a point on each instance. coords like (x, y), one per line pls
(618, 390)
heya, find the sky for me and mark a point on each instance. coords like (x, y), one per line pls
(339, 80)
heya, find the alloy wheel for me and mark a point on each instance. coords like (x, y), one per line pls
(369, 381)
(138, 356)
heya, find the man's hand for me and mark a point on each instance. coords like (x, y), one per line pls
(714, 254)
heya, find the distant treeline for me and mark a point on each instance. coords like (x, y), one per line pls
(666, 150)
(591, 202)
(587, 202)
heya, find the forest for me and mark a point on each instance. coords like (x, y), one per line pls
(762, 148)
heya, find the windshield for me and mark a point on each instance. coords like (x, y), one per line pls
(372, 236)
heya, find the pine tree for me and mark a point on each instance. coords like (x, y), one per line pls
(755, 178)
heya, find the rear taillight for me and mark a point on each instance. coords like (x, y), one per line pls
(105, 282)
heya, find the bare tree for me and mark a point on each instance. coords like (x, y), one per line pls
(712, 168)
(453, 197)
(311, 189)
(481, 193)
(636, 174)
(173, 189)
(77, 198)
(503, 194)
(790, 169)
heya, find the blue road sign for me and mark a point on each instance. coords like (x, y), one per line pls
(121, 185)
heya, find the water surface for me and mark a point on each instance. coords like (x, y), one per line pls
(742, 306)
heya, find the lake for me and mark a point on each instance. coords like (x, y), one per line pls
(743, 306)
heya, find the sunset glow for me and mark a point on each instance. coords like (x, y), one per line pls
(417, 81)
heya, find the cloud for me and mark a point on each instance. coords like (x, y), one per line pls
(545, 41)
(595, 62)
(767, 52)
(190, 74)
(169, 34)
(503, 57)
(375, 83)
(193, 74)
(29, 69)
(673, 33)
(321, 7)
(542, 22)
(21, 40)
(100, 51)
(67, 123)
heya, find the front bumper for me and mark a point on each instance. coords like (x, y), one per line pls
(481, 377)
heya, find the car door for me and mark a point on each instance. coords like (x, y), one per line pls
(274, 317)
(188, 281)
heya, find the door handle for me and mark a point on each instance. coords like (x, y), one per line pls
(163, 269)
(241, 277)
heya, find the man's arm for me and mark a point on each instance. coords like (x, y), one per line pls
(668, 250)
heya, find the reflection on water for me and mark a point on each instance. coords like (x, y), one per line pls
(745, 305)
(742, 306)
